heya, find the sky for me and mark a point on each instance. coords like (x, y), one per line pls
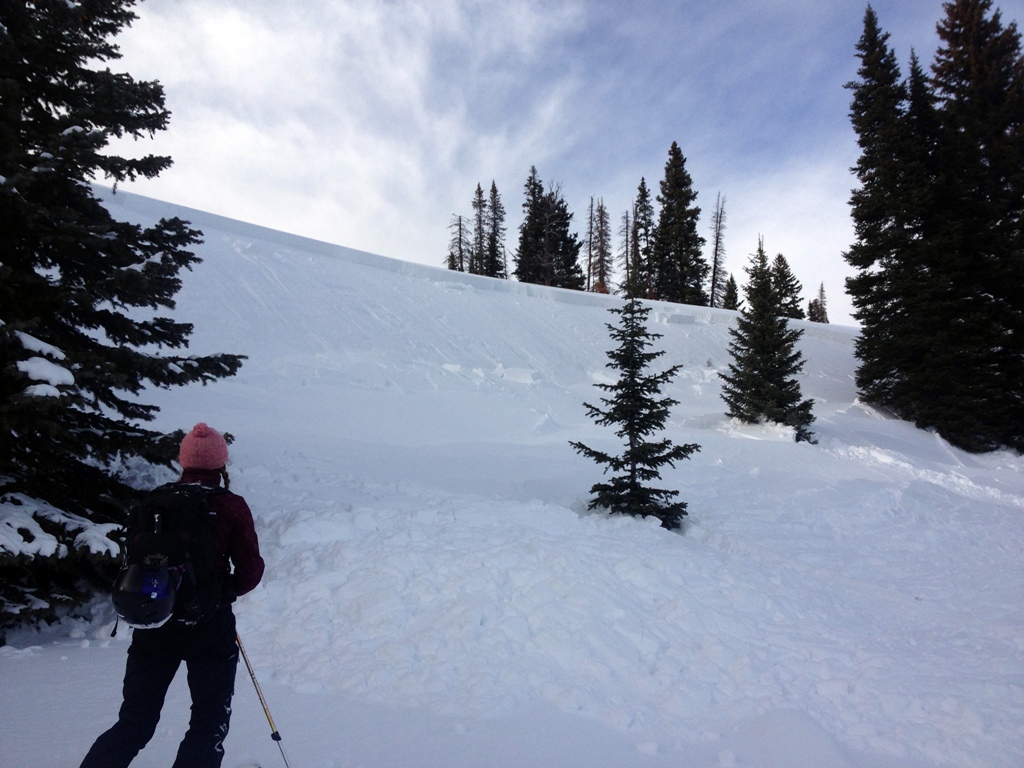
(369, 123)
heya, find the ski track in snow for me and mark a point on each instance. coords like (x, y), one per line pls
(436, 591)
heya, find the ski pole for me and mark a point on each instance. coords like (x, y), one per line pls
(266, 710)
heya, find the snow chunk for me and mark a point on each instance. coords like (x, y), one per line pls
(96, 538)
(41, 369)
(767, 430)
(516, 375)
(32, 344)
(42, 390)
(21, 533)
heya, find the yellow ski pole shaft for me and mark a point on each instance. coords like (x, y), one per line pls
(266, 710)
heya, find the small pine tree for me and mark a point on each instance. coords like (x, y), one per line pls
(636, 407)
(716, 289)
(478, 247)
(626, 257)
(590, 245)
(561, 247)
(678, 267)
(642, 240)
(601, 262)
(529, 257)
(494, 258)
(761, 383)
(459, 245)
(787, 289)
(731, 297)
(817, 308)
(548, 252)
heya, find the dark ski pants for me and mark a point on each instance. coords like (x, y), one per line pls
(210, 653)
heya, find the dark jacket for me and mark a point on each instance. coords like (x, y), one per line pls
(234, 536)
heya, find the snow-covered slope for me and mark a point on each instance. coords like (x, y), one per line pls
(437, 594)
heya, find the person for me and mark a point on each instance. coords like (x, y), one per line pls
(209, 648)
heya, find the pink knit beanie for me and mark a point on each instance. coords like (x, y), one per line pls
(203, 448)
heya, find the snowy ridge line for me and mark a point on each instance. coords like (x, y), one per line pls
(150, 209)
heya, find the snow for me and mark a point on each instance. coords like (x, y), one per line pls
(41, 369)
(437, 594)
(49, 374)
(32, 344)
(21, 533)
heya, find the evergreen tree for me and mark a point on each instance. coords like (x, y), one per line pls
(679, 269)
(937, 218)
(642, 238)
(81, 334)
(626, 257)
(895, 213)
(761, 384)
(548, 252)
(478, 247)
(494, 257)
(561, 247)
(881, 226)
(529, 257)
(787, 289)
(731, 297)
(977, 304)
(817, 308)
(459, 246)
(636, 408)
(590, 244)
(601, 259)
(912, 278)
(718, 279)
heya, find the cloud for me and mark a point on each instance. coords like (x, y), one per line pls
(801, 210)
(346, 120)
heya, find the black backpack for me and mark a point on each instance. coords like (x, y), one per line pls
(170, 565)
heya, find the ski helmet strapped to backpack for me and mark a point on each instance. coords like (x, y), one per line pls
(170, 567)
